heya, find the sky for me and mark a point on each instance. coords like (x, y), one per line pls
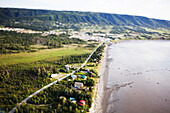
(159, 9)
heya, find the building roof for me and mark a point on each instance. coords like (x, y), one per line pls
(71, 98)
(83, 76)
(54, 75)
(99, 54)
(78, 84)
(67, 66)
(74, 101)
(62, 97)
(82, 102)
(73, 76)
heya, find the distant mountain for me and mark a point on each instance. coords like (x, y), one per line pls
(43, 19)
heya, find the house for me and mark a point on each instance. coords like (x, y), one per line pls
(84, 71)
(78, 85)
(71, 98)
(73, 77)
(67, 67)
(99, 54)
(62, 97)
(82, 102)
(99, 34)
(94, 60)
(73, 101)
(83, 77)
(54, 75)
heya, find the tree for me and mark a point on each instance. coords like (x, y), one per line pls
(16, 110)
(45, 101)
(58, 107)
(7, 74)
(77, 111)
(3, 50)
(70, 109)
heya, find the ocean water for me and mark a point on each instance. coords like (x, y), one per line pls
(139, 77)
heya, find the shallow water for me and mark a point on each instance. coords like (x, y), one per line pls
(139, 77)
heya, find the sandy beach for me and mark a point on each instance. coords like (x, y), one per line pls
(97, 106)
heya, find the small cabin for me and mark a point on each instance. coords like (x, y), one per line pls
(78, 85)
(62, 97)
(67, 67)
(83, 77)
(73, 101)
(73, 77)
(54, 75)
(82, 102)
(71, 98)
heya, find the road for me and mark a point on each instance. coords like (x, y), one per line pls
(25, 100)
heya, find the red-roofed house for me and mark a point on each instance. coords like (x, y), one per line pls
(82, 102)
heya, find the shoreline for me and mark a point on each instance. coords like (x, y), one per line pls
(137, 86)
(100, 89)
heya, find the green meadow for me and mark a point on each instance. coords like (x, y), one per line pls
(11, 59)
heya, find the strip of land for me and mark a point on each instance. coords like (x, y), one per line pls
(98, 106)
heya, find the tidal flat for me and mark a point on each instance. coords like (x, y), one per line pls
(138, 77)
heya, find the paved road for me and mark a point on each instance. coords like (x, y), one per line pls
(25, 100)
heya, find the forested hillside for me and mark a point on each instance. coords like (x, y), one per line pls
(46, 19)
(13, 42)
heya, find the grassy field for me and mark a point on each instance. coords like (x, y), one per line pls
(160, 30)
(8, 59)
(37, 46)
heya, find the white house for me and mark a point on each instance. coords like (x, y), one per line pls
(54, 75)
(67, 67)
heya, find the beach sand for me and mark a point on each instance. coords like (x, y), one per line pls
(99, 101)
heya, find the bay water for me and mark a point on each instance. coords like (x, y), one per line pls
(139, 77)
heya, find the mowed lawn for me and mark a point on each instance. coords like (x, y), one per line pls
(8, 59)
